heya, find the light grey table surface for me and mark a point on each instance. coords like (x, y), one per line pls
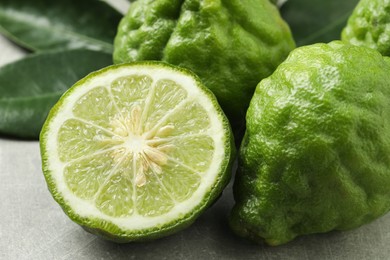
(33, 226)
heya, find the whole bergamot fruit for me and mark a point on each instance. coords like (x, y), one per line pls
(369, 25)
(316, 153)
(231, 45)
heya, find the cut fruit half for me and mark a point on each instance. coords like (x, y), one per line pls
(136, 151)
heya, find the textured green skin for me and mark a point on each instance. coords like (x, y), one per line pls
(315, 156)
(109, 230)
(369, 25)
(230, 44)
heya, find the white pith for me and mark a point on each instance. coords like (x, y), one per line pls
(139, 145)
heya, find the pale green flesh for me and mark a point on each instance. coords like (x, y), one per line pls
(102, 162)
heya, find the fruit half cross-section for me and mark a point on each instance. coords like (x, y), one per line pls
(136, 148)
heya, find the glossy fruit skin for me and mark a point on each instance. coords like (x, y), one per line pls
(231, 45)
(316, 153)
(369, 25)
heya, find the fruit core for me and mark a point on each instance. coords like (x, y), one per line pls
(139, 145)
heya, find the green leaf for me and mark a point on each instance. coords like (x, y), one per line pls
(41, 25)
(313, 21)
(31, 86)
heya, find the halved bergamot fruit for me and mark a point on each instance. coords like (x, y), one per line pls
(136, 151)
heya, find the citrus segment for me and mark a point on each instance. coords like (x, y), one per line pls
(130, 92)
(78, 178)
(153, 198)
(178, 176)
(85, 137)
(96, 108)
(201, 157)
(166, 95)
(114, 196)
(181, 122)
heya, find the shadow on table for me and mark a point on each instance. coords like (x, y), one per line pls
(211, 238)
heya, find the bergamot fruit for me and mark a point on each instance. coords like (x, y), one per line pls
(369, 25)
(316, 153)
(137, 151)
(231, 45)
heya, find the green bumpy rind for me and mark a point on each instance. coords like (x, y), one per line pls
(316, 153)
(230, 44)
(109, 230)
(369, 25)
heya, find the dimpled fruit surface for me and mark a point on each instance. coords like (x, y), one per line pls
(315, 156)
(230, 44)
(369, 25)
